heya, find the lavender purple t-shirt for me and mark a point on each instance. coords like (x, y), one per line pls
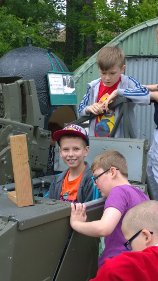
(123, 198)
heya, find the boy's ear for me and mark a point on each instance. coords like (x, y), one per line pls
(87, 150)
(113, 171)
(148, 236)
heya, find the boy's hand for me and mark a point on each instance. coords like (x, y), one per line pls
(95, 108)
(78, 213)
(110, 99)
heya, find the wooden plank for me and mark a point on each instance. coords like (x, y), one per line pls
(12, 196)
(21, 170)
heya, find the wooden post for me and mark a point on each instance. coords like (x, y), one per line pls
(22, 195)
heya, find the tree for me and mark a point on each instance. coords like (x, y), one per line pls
(32, 10)
(13, 32)
(88, 27)
(80, 31)
(24, 18)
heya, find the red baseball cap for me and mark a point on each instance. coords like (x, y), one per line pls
(71, 130)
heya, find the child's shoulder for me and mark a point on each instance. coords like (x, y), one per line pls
(127, 78)
(122, 189)
(59, 176)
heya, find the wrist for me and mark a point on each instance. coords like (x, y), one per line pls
(87, 109)
(75, 224)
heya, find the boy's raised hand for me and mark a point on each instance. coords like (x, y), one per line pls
(78, 213)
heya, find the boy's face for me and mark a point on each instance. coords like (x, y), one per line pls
(73, 151)
(111, 76)
(103, 182)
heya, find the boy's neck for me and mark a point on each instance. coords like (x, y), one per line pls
(75, 172)
(120, 181)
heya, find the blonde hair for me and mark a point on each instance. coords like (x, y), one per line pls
(108, 159)
(110, 56)
(143, 215)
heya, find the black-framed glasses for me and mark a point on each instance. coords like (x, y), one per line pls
(128, 242)
(97, 177)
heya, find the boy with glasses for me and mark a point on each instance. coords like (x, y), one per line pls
(140, 227)
(111, 177)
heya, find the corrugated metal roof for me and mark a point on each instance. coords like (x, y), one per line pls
(141, 50)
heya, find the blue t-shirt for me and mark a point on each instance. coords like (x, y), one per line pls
(123, 198)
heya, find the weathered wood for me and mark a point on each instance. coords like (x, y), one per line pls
(22, 195)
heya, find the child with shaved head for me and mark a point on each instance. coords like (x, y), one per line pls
(140, 228)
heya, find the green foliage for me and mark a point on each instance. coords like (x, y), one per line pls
(117, 16)
(34, 10)
(94, 22)
(28, 18)
(13, 32)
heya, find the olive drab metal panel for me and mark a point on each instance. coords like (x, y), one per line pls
(20, 114)
(38, 244)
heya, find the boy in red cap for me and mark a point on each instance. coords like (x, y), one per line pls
(75, 184)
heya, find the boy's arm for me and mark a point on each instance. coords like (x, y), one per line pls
(86, 106)
(136, 92)
(154, 96)
(84, 103)
(86, 109)
(152, 87)
(99, 228)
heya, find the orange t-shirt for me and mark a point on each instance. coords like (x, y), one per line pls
(70, 188)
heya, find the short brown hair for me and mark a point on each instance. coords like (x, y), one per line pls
(109, 56)
(108, 159)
